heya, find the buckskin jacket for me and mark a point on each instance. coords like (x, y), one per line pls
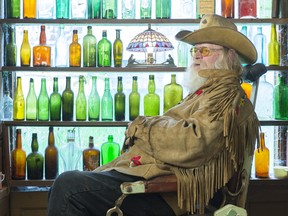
(199, 140)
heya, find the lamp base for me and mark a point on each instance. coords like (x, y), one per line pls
(133, 63)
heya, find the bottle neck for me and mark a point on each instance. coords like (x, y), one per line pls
(262, 141)
(19, 85)
(91, 142)
(11, 38)
(117, 34)
(42, 37)
(68, 83)
(134, 86)
(55, 85)
(34, 144)
(94, 83)
(107, 86)
(31, 88)
(25, 37)
(151, 86)
(51, 139)
(43, 86)
(273, 33)
(104, 35)
(173, 78)
(120, 86)
(19, 141)
(81, 85)
(75, 38)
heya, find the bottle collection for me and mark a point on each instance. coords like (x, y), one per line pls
(52, 162)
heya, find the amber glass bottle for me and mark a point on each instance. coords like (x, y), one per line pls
(118, 50)
(19, 102)
(29, 9)
(25, 50)
(262, 159)
(227, 8)
(18, 159)
(75, 51)
(51, 157)
(42, 52)
(91, 157)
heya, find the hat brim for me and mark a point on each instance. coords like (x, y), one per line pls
(222, 36)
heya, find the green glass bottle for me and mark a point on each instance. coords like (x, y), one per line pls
(35, 161)
(163, 9)
(173, 93)
(145, 9)
(81, 102)
(107, 102)
(63, 9)
(68, 102)
(25, 50)
(89, 49)
(109, 150)
(19, 102)
(43, 102)
(109, 9)
(151, 100)
(31, 102)
(94, 9)
(280, 103)
(273, 48)
(94, 102)
(104, 51)
(118, 50)
(11, 49)
(119, 101)
(51, 157)
(55, 102)
(134, 100)
(13, 9)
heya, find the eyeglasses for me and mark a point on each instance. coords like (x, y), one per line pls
(205, 51)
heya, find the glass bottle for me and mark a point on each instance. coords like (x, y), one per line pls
(67, 101)
(13, 9)
(25, 50)
(247, 8)
(18, 159)
(75, 51)
(94, 102)
(89, 49)
(31, 102)
(264, 9)
(107, 102)
(119, 101)
(273, 48)
(81, 102)
(35, 161)
(109, 9)
(78, 9)
(94, 9)
(151, 100)
(45, 9)
(280, 94)
(11, 49)
(128, 9)
(29, 8)
(7, 105)
(145, 9)
(247, 87)
(43, 102)
(109, 150)
(118, 50)
(134, 100)
(163, 9)
(19, 102)
(62, 9)
(260, 45)
(182, 54)
(51, 157)
(262, 158)
(42, 52)
(204, 7)
(104, 51)
(227, 8)
(91, 156)
(62, 50)
(173, 93)
(55, 102)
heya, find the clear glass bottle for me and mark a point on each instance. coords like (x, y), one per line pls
(25, 50)
(45, 9)
(29, 8)
(31, 102)
(109, 9)
(68, 102)
(119, 101)
(7, 106)
(273, 48)
(163, 9)
(118, 50)
(94, 9)
(264, 9)
(81, 102)
(94, 102)
(19, 102)
(63, 9)
(18, 159)
(280, 94)
(260, 45)
(173, 93)
(227, 8)
(11, 48)
(75, 51)
(134, 100)
(107, 102)
(55, 102)
(43, 102)
(204, 7)
(89, 49)
(128, 9)
(109, 150)
(42, 52)
(35, 161)
(104, 51)
(13, 9)
(145, 9)
(91, 156)
(151, 100)
(51, 157)
(262, 159)
(183, 54)
(247, 8)
(61, 49)
(78, 9)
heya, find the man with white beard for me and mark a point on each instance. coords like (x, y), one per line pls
(210, 129)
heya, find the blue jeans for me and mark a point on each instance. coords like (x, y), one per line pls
(91, 193)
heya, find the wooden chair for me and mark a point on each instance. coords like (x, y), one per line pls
(229, 200)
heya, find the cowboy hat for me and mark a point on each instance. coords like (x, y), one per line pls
(218, 30)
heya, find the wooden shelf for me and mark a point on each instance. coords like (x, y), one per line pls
(274, 122)
(32, 183)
